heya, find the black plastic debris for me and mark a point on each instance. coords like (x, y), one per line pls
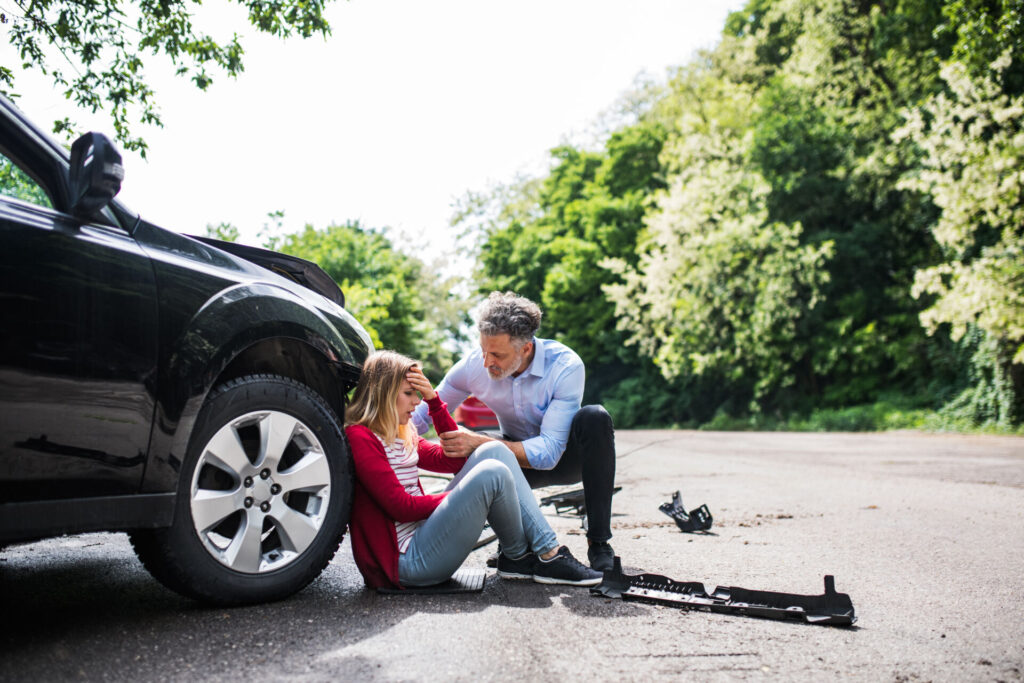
(698, 519)
(828, 609)
(571, 500)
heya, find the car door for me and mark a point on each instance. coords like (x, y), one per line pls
(78, 346)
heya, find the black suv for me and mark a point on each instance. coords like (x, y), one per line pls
(185, 390)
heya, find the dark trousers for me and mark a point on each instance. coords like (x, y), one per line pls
(589, 457)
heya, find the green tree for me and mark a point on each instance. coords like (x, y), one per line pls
(830, 78)
(223, 231)
(720, 292)
(95, 52)
(14, 183)
(548, 241)
(396, 297)
(985, 31)
(763, 240)
(972, 142)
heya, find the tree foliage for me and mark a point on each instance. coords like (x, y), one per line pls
(822, 211)
(720, 291)
(822, 141)
(985, 31)
(972, 167)
(96, 51)
(547, 239)
(972, 140)
(14, 183)
(396, 297)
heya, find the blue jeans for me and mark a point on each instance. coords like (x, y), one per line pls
(489, 487)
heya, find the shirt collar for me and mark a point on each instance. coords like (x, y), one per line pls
(537, 365)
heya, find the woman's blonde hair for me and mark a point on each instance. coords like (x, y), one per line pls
(375, 401)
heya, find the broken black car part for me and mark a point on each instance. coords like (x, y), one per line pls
(571, 500)
(829, 609)
(698, 519)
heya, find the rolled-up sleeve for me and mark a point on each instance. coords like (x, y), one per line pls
(545, 450)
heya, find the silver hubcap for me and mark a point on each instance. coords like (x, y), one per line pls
(260, 491)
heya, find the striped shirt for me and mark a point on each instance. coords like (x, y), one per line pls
(406, 467)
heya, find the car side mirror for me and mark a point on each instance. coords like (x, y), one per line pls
(96, 174)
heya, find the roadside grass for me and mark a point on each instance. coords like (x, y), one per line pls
(871, 417)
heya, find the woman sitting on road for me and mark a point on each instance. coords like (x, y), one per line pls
(404, 537)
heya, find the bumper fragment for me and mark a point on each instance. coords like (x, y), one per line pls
(829, 609)
(571, 500)
(698, 519)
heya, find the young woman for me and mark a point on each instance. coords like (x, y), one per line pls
(404, 537)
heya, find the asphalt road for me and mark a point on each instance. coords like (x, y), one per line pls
(924, 532)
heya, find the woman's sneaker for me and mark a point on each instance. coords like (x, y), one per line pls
(563, 568)
(521, 568)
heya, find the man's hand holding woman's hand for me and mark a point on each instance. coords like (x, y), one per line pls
(420, 383)
(461, 444)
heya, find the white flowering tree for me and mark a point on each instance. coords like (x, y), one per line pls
(972, 168)
(972, 140)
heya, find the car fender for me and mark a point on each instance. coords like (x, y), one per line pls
(226, 326)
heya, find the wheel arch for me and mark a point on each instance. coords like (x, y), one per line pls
(248, 329)
(290, 358)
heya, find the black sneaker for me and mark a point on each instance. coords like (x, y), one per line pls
(521, 568)
(563, 568)
(601, 556)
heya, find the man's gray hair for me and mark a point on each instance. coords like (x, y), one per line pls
(506, 313)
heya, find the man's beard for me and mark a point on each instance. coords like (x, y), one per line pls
(504, 374)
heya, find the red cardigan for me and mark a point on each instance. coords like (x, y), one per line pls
(379, 500)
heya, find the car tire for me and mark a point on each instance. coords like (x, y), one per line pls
(264, 497)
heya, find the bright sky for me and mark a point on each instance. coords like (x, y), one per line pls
(408, 105)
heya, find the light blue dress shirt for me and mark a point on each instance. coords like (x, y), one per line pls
(535, 408)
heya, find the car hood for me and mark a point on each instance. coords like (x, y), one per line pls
(300, 271)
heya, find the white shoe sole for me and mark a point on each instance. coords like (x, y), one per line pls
(566, 582)
(510, 575)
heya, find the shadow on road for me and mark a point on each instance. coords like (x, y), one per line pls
(82, 606)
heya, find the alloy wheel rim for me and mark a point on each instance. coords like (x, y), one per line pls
(260, 492)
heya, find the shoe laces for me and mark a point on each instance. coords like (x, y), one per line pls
(571, 560)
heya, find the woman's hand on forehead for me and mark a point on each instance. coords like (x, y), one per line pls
(420, 383)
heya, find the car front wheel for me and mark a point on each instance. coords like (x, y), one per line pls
(263, 500)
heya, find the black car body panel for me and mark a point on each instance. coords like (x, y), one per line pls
(309, 275)
(77, 357)
(114, 331)
(216, 308)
